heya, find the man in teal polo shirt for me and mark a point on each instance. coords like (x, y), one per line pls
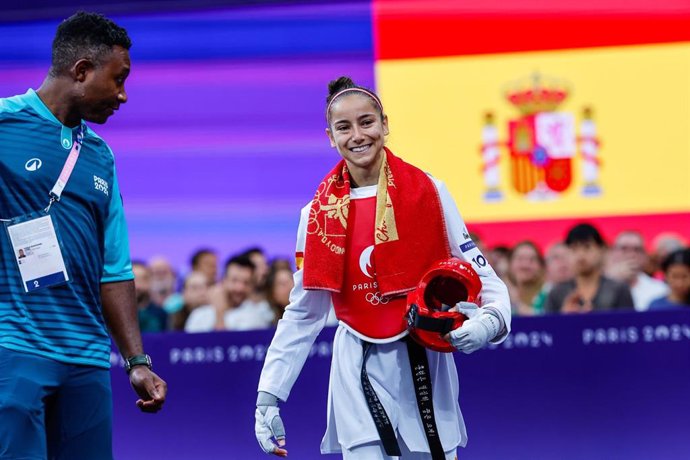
(60, 204)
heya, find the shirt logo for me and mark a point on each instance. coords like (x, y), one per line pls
(101, 185)
(365, 261)
(33, 164)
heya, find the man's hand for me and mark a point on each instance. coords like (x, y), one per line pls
(269, 425)
(151, 389)
(219, 300)
(576, 303)
(624, 270)
(474, 333)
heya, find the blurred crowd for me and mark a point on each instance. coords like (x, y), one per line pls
(581, 274)
(251, 292)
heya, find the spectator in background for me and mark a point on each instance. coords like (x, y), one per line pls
(676, 268)
(255, 311)
(559, 265)
(626, 261)
(499, 259)
(287, 265)
(258, 258)
(194, 295)
(281, 263)
(206, 261)
(589, 290)
(230, 309)
(526, 276)
(663, 245)
(279, 283)
(163, 280)
(152, 317)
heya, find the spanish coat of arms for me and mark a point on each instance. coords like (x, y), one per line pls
(542, 144)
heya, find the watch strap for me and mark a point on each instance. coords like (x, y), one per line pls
(137, 360)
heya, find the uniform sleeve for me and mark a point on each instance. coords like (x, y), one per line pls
(302, 321)
(494, 292)
(117, 265)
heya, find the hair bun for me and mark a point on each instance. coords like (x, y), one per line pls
(339, 84)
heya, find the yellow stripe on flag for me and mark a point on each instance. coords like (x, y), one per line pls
(639, 95)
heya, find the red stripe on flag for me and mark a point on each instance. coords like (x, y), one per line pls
(416, 34)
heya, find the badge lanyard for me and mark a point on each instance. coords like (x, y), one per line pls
(34, 237)
(56, 191)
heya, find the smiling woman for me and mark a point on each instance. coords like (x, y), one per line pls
(357, 128)
(390, 222)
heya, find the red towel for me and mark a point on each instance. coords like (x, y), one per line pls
(410, 232)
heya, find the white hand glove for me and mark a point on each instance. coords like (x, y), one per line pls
(468, 309)
(269, 426)
(475, 333)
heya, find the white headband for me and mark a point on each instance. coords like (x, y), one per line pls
(361, 90)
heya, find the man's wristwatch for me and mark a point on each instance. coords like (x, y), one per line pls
(137, 360)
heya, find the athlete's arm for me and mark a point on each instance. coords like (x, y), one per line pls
(302, 321)
(494, 293)
(304, 318)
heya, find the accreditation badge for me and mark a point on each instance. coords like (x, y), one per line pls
(37, 251)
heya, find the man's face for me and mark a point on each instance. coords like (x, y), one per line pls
(588, 257)
(260, 268)
(238, 283)
(559, 264)
(162, 278)
(629, 247)
(104, 86)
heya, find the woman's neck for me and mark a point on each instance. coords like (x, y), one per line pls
(364, 176)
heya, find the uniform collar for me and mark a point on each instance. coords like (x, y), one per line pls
(66, 134)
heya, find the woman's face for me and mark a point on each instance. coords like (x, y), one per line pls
(357, 131)
(525, 265)
(678, 279)
(282, 285)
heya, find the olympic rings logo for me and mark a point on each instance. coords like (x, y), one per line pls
(375, 298)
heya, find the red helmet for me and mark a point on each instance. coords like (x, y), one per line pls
(445, 284)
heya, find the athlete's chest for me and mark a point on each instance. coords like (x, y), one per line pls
(360, 261)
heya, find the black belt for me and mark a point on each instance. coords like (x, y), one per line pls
(421, 380)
